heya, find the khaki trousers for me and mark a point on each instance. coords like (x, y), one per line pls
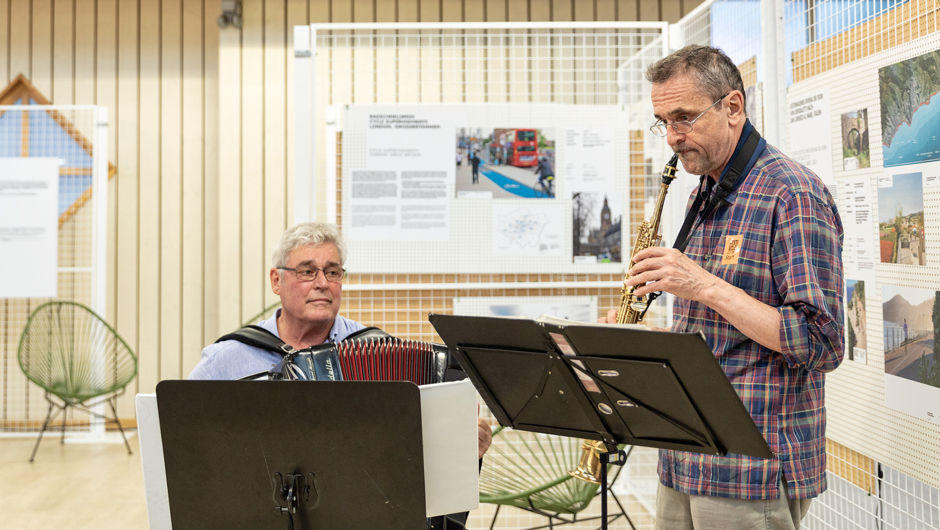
(681, 511)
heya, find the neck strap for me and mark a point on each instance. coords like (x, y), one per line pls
(749, 147)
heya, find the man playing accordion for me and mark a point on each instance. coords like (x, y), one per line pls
(307, 274)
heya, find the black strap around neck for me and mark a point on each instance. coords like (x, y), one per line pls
(742, 160)
(258, 337)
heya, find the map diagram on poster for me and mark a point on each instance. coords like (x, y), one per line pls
(527, 230)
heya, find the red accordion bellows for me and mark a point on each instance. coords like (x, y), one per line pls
(390, 359)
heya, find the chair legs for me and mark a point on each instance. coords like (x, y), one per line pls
(495, 515)
(64, 410)
(120, 428)
(45, 424)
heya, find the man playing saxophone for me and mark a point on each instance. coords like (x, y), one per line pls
(758, 270)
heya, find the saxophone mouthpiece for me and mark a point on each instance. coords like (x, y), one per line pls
(669, 172)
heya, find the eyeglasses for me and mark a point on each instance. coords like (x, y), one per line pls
(661, 128)
(306, 274)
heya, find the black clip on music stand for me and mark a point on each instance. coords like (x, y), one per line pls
(603, 382)
(326, 454)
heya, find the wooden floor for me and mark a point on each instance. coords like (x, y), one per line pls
(100, 487)
(71, 486)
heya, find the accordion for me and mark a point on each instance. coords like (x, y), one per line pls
(369, 356)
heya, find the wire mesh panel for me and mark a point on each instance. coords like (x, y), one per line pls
(576, 64)
(822, 35)
(67, 134)
(735, 28)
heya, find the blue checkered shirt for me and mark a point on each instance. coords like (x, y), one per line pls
(790, 259)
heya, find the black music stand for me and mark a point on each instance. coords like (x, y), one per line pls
(603, 382)
(244, 454)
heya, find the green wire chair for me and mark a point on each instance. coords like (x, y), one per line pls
(75, 356)
(530, 471)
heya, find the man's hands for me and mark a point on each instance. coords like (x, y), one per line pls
(611, 318)
(484, 434)
(668, 270)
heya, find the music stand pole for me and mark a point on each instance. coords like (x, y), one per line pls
(617, 458)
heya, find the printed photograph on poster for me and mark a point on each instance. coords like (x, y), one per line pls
(911, 318)
(535, 229)
(855, 152)
(505, 163)
(754, 95)
(855, 315)
(930, 172)
(901, 219)
(910, 114)
(595, 227)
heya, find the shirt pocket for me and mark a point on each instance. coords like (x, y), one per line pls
(750, 271)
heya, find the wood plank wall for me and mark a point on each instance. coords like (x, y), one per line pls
(200, 133)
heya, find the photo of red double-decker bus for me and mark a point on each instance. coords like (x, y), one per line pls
(505, 163)
(520, 147)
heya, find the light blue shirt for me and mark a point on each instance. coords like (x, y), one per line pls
(230, 359)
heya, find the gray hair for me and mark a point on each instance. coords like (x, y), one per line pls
(308, 235)
(714, 71)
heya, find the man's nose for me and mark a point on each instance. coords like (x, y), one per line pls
(673, 137)
(320, 280)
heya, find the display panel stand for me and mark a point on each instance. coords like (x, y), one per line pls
(613, 383)
(328, 455)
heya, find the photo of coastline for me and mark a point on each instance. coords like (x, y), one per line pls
(901, 236)
(855, 151)
(910, 112)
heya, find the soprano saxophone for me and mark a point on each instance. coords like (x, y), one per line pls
(632, 307)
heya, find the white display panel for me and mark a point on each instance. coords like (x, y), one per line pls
(576, 308)
(473, 243)
(29, 232)
(880, 414)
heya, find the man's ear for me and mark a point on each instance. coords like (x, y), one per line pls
(736, 107)
(275, 281)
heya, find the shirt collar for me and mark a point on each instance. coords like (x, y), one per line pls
(271, 325)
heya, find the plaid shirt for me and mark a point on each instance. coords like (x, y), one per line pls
(790, 259)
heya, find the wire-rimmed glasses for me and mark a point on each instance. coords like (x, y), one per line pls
(661, 128)
(308, 274)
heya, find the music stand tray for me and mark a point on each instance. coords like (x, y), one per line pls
(603, 382)
(231, 446)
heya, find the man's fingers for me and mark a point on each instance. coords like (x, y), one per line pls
(484, 436)
(611, 317)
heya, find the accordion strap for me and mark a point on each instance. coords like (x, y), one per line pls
(370, 332)
(260, 338)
